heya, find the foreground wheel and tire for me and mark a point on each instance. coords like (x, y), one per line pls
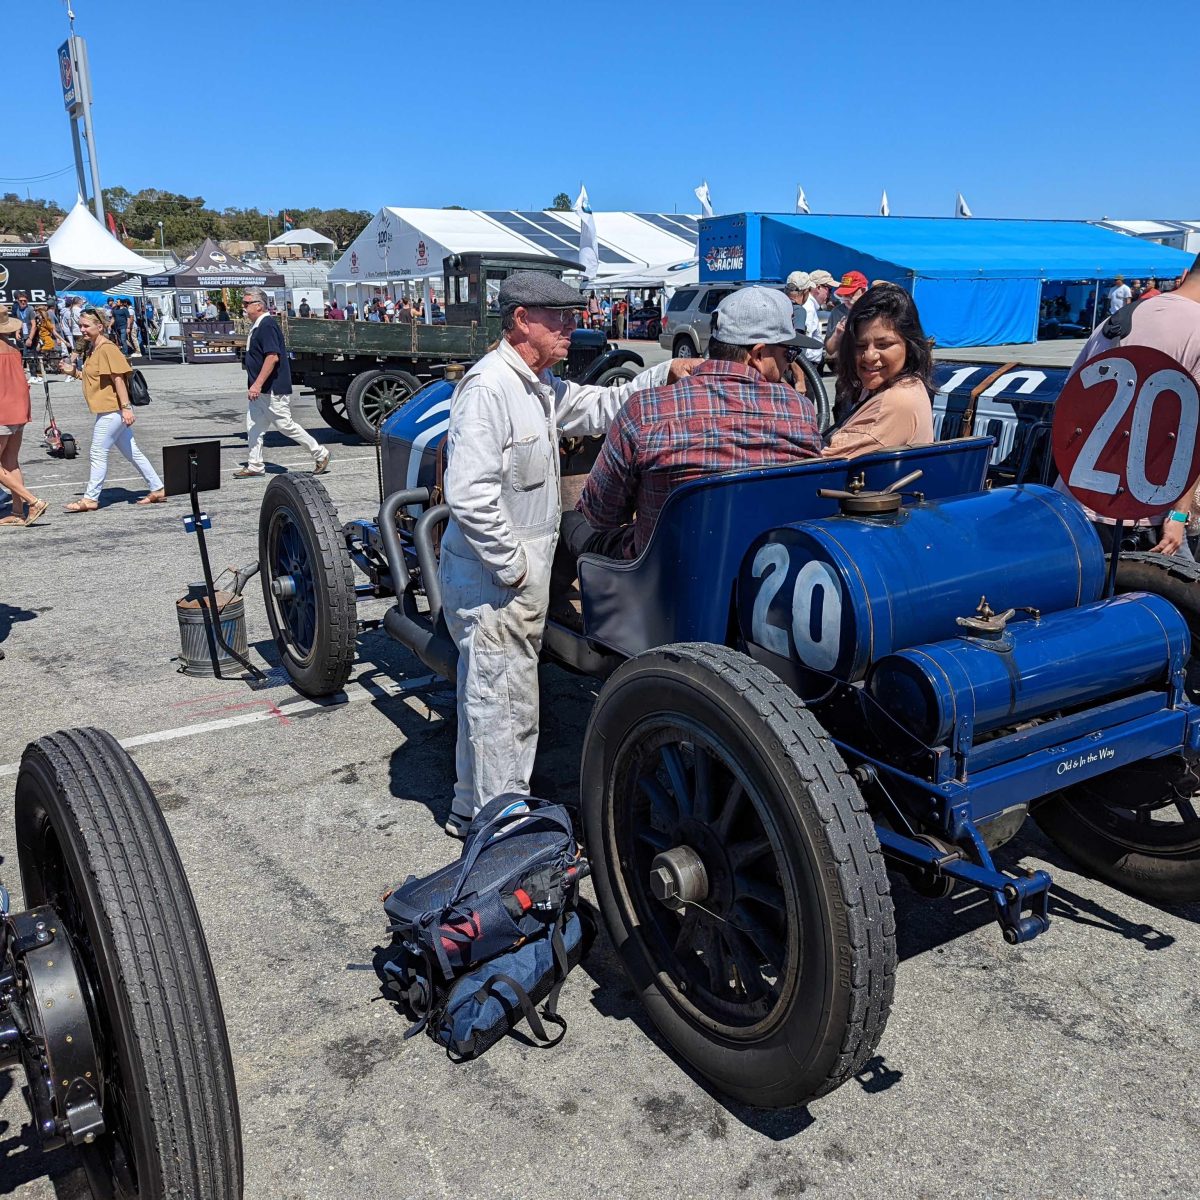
(93, 844)
(739, 873)
(332, 408)
(308, 584)
(374, 395)
(1138, 827)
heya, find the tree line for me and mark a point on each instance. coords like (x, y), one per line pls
(186, 220)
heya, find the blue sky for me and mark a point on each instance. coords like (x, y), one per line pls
(1053, 109)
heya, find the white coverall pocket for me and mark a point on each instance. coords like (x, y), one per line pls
(528, 464)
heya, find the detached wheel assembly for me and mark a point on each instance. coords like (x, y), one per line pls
(739, 873)
(374, 395)
(308, 584)
(109, 982)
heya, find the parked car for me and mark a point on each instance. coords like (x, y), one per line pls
(645, 322)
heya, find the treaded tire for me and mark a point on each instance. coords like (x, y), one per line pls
(363, 408)
(92, 841)
(836, 977)
(333, 412)
(1096, 823)
(314, 633)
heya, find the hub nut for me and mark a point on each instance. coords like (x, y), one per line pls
(678, 877)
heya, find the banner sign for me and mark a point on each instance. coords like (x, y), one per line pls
(26, 269)
(1125, 433)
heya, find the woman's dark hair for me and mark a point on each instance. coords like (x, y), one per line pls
(896, 307)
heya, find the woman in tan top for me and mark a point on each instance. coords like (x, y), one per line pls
(105, 373)
(14, 416)
(885, 356)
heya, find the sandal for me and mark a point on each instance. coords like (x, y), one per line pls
(78, 506)
(156, 497)
(36, 509)
(12, 520)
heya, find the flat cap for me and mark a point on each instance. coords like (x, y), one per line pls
(537, 289)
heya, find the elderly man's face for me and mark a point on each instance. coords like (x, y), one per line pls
(548, 331)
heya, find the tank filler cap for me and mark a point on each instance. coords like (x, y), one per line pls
(857, 501)
(985, 622)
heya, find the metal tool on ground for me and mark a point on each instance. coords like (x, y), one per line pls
(190, 469)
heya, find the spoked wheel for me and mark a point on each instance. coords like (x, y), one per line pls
(374, 395)
(739, 873)
(1138, 827)
(308, 584)
(332, 408)
(94, 847)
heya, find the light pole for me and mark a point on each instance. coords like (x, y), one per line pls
(162, 245)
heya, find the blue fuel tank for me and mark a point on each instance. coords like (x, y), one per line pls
(1035, 667)
(840, 593)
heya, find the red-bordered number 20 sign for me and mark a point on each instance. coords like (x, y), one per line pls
(1125, 432)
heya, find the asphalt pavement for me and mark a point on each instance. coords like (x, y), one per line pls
(1062, 1068)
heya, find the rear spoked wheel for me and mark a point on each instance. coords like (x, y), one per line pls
(94, 846)
(738, 873)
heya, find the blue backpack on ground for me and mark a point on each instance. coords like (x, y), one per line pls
(479, 943)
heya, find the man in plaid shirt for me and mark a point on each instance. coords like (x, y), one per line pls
(733, 411)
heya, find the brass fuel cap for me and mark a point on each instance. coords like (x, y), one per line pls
(857, 501)
(985, 622)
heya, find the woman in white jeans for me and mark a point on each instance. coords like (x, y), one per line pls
(105, 375)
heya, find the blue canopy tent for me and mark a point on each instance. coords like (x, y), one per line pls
(977, 282)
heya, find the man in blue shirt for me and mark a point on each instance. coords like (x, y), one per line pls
(270, 384)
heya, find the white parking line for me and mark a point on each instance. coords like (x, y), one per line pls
(369, 688)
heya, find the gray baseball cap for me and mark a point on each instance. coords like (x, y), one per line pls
(538, 289)
(754, 315)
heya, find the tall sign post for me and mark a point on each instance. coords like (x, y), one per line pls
(77, 100)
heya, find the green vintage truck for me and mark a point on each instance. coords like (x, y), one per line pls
(360, 371)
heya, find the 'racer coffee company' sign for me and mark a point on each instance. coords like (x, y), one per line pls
(26, 269)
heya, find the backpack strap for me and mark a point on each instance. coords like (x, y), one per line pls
(1120, 325)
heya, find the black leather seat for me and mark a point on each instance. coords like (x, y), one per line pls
(681, 587)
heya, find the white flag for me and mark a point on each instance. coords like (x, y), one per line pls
(962, 210)
(801, 200)
(589, 245)
(884, 209)
(705, 199)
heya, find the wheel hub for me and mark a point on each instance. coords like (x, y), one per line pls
(284, 586)
(678, 877)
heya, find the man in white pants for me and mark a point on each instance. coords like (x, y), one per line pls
(270, 385)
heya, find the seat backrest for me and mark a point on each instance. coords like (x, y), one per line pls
(680, 589)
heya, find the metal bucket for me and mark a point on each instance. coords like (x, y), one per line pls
(195, 658)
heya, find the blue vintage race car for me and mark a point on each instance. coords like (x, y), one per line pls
(813, 674)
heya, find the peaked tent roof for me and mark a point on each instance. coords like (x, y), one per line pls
(302, 237)
(84, 246)
(211, 267)
(957, 248)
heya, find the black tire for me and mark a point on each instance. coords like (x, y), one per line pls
(616, 375)
(791, 857)
(1138, 827)
(333, 412)
(684, 348)
(653, 329)
(374, 395)
(300, 539)
(69, 446)
(93, 843)
(817, 393)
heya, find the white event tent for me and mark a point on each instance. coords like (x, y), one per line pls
(302, 237)
(403, 244)
(83, 248)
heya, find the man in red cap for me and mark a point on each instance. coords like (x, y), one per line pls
(854, 283)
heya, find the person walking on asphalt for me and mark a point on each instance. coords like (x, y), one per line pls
(270, 385)
(502, 485)
(14, 416)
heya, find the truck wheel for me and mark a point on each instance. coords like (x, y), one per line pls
(615, 375)
(817, 394)
(683, 348)
(333, 412)
(308, 584)
(373, 395)
(739, 873)
(93, 844)
(1138, 827)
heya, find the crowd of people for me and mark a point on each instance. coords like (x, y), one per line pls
(52, 330)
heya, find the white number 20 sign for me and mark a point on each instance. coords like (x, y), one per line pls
(1125, 431)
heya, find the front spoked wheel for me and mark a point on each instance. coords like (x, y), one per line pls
(94, 847)
(739, 873)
